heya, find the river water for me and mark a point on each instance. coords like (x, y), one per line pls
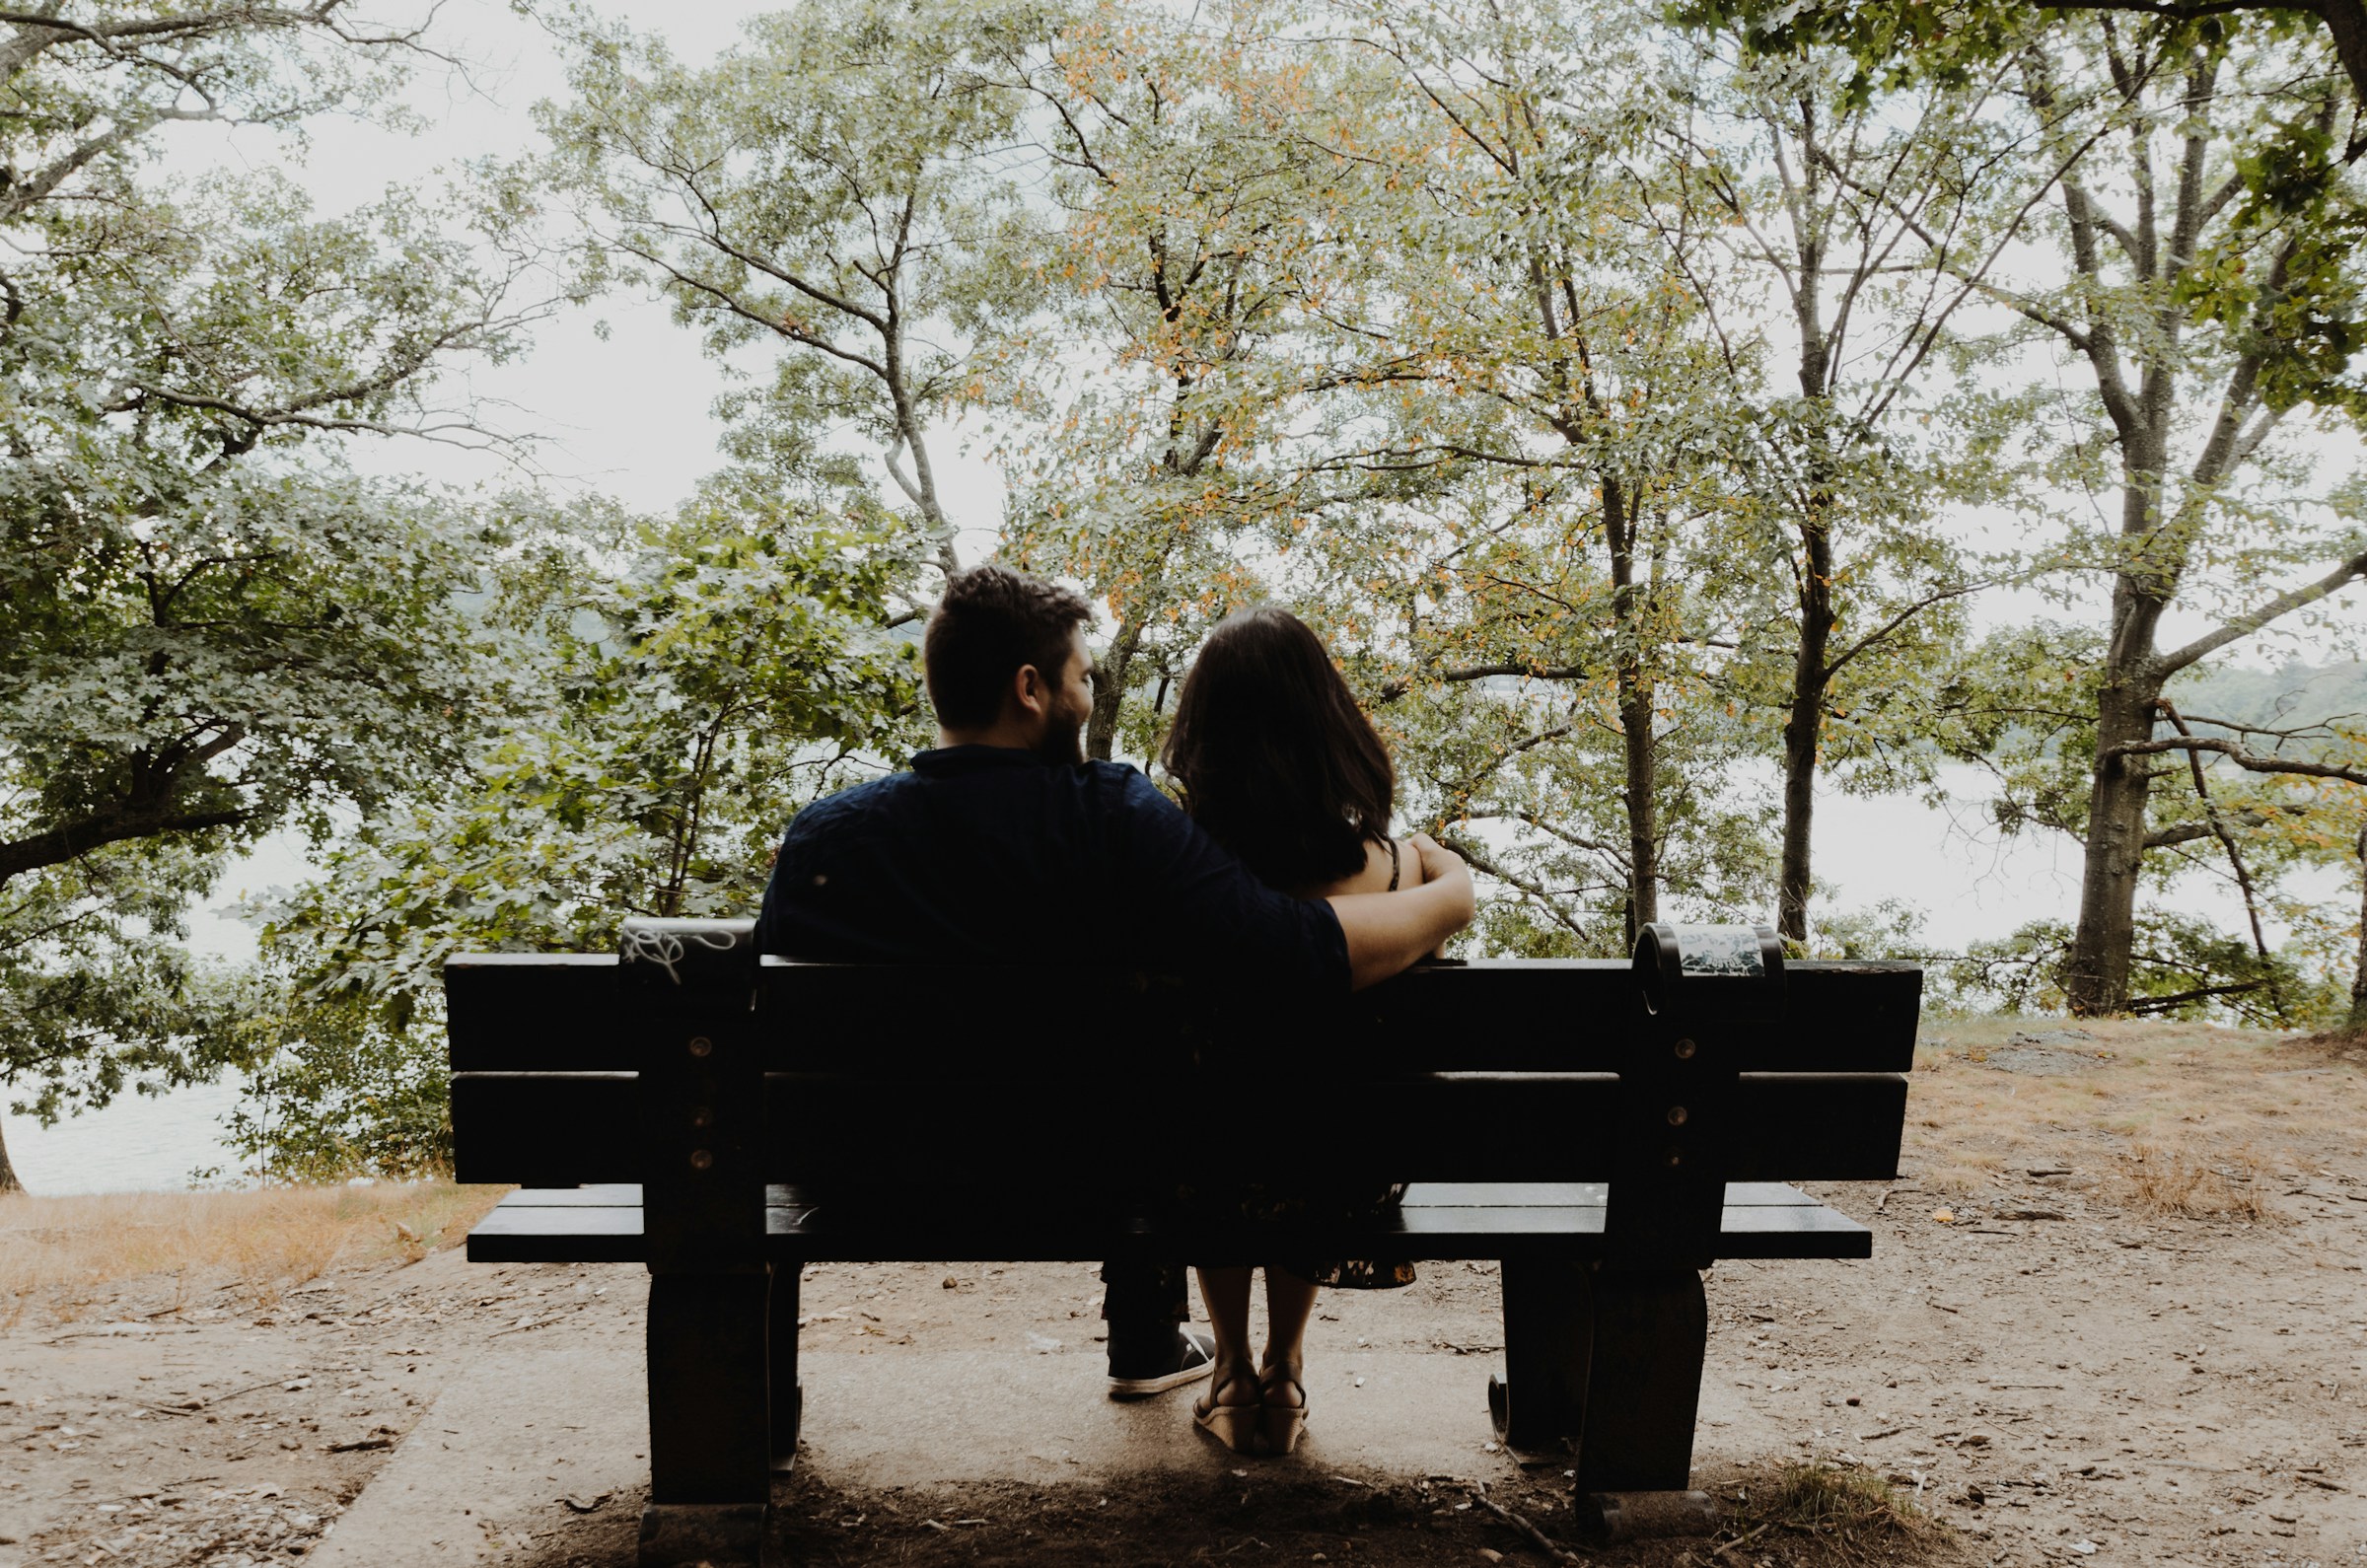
(141, 1143)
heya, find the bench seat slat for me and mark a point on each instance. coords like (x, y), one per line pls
(1521, 1194)
(558, 1129)
(1419, 1194)
(525, 1233)
(525, 1227)
(596, 1195)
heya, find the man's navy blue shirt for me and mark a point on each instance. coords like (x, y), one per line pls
(987, 855)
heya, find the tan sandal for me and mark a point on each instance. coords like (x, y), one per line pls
(1236, 1426)
(1282, 1425)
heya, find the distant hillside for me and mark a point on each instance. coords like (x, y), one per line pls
(2284, 699)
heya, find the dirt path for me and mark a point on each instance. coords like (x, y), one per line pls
(2138, 1335)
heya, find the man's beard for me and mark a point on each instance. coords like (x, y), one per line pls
(1063, 743)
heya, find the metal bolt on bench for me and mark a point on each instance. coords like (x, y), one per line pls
(725, 1118)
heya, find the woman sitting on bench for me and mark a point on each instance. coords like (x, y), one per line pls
(1277, 764)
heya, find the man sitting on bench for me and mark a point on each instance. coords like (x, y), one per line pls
(1005, 846)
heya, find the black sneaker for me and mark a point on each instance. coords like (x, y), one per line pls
(1187, 1358)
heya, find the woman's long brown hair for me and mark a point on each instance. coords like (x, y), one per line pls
(1275, 760)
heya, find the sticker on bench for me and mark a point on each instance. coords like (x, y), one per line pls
(1731, 950)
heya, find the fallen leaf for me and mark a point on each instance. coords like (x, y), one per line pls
(1944, 1216)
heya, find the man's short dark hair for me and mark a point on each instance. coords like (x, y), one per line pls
(991, 621)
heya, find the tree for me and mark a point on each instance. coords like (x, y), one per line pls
(209, 627)
(2262, 226)
(680, 687)
(836, 187)
(2188, 406)
(95, 985)
(2357, 1018)
(1864, 218)
(1209, 223)
(1884, 33)
(1520, 571)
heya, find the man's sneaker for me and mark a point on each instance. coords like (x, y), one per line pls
(1187, 1360)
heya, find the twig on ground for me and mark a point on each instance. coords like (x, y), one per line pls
(539, 1323)
(267, 1383)
(1738, 1541)
(1536, 1537)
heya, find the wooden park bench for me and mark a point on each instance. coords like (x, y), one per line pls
(1602, 1130)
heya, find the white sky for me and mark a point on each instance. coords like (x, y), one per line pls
(629, 416)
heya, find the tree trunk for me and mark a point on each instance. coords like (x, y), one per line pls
(1803, 730)
(1110, 674)
(2358, 976)
(2096, 981)
(7, 1172)
(1621, 521)
(1643, 816)
(1804, 725)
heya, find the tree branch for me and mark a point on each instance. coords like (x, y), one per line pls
(2227, 843)
(2245, 625)
(2187, 832)
(1404, 684)
(63, 843)
(2249, 761)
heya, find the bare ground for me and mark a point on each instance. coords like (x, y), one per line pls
(2117, 1314)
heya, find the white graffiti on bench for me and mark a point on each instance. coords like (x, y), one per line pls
(666, 949)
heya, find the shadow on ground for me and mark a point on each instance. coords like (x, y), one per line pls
(1268, 1516)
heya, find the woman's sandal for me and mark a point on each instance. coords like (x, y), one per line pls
(1234, 1425)
(1282, 1424)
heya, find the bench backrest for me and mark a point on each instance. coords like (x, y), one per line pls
(692, 1066)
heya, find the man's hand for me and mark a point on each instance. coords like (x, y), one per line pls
(1440, 864)
(1437, 861)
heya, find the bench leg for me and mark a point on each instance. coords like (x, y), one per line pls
(780, 1355)
(1649, 1332)
(1539, 1403)
(710, 1473)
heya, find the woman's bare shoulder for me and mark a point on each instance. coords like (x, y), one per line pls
(1375, 876)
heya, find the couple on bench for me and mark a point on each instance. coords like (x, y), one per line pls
(1005, 846)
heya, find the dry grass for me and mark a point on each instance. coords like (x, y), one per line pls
(2173, 1119)
(2348, 1044)
(2161, 1182)
(66, 1255)
(1835, 1500)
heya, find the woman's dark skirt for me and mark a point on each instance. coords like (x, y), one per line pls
(1293, 1207)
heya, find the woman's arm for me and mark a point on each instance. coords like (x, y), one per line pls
(1390, 930)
